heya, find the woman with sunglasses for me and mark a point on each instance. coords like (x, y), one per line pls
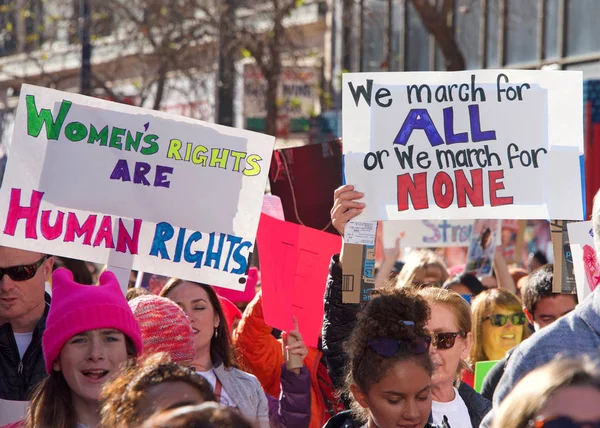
(561, 394)
(389, 369)
(500, 325)
(450, 330)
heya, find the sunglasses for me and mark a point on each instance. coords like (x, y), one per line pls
(445, 340)
(388, 347)
(24, 272)
(563, 422)
(498, 320)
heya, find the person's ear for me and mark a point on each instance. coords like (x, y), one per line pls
(48, 267)
(467, 346)
(529, 315)
(56, 365)
(359, 396)
(216, 320)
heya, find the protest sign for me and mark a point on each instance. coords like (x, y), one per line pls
(482, 368)
(476, 144)
(12, 411)
(272, 207)
(564, 278)
(427, 233)
(295, 262)
(134, 188)
(358, 279)
(585, 264)
(480, 257)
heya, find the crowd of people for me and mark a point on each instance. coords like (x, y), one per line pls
(81, 354)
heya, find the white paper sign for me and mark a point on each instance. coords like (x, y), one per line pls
(273, 207)
(428, 233)
(12, 411)
(360, 232)
(133, 188)
(585, 264)
(488, 144)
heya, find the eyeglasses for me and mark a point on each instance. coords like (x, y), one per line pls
(388, 347)
(23, 272)
(498, 320)
(563, 422)
(445, 340)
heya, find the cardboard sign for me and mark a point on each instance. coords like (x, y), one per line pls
(585, 263)
(476, 144)
(358, 280)
(564, 278)
(428, 233)
(480, 258)
(134, 188)
(295, 263)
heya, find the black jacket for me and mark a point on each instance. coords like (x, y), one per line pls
(345, 420)
(491, 380)
(477, 405)
(18, 378)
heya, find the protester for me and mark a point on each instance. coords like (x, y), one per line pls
(536, 260)
(499, 325)
(541, 307)
(465, 285)
(132, 293)
(263, 355)
(214, 358)
(90, 337)
(165, 328)
(562, 394)
(517, 274)
(389, 368)
(79, 269)
(207, 415)
(24, 306)
(422, 267)
(156, 384)
(450, 330)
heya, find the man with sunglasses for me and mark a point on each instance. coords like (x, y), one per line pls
(574, 335)
(541, 307)
(24, 306)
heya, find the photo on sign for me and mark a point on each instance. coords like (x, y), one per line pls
(564, 278)
(585, 263)
(480, 257)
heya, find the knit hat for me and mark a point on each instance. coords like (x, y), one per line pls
(165, 327)
(77, 308)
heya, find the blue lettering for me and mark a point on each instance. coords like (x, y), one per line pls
(195, 257)
(214, 256)
(233, 240)
(240, 259)
(163, 232)
(179, 246)
(418, 119)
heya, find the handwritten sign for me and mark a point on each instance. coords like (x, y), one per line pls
(585, 263)
(428, 233)
(134, 188)
(485, 144)
(295, 263)
(480, 256)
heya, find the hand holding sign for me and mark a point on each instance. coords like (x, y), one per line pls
(295, 350)
(345, 207)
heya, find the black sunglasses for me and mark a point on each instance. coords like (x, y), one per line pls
(563, 422)
(498, 320)
(445, 340)
(388, 347)
(24, 272)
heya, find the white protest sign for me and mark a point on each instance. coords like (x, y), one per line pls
(12, 411)
(585, 264)
(427, 233)
(488, 144)
(133, 188)
(273, 207)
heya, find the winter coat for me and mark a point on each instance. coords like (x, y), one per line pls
(345, 420)
(292, 409)
(262, 355)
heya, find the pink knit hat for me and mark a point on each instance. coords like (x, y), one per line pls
(76, 308)
(165, 327)
(249, 292)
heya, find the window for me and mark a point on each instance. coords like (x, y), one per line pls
(521, 31)
(417, 41)
(583, 31)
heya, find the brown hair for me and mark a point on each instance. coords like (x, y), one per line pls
(51, 402)
(459, 307)
(132, 293)
(385, 316)
(121, 398)
(483, 306)
(532, 393)
(221, 349)
(207, 415)
(416, 266)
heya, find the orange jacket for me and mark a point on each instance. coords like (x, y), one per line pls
(261, 354)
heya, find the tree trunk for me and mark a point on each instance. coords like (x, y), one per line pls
(160, 83)
(273, 75)
(389, 35)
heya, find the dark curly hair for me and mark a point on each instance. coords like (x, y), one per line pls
(382, 318)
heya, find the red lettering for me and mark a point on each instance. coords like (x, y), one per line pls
(52, 232)
(443, 190)
(417, 190)
(464, 189)
(17, 212)
(105, 233)
(73, 228)
(124, 240)
(495, 185)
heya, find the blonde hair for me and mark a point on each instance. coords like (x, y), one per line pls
(416, 266)
(483, 306)
(532, 393)
(459, 307)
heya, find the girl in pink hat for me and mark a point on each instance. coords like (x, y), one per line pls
(91, 336)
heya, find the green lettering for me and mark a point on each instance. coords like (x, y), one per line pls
(152, 148)
(101, 136)
(75, 131)
(35, 120)
(130, 142)
(115, 138)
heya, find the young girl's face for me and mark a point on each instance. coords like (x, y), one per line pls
(89, 359)
(401, 399)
